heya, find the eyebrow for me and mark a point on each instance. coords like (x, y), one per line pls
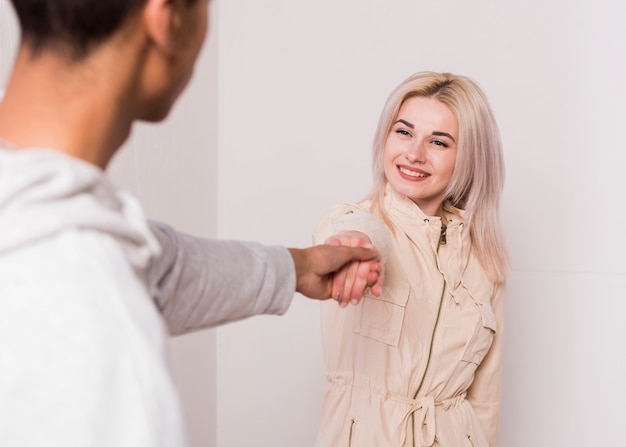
(436, 132)
(443, 134)
(406, 123)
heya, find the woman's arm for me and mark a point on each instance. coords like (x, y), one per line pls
(485, 392)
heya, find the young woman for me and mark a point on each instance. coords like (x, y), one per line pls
(421, 365)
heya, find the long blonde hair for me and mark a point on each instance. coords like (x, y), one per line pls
(478, 179)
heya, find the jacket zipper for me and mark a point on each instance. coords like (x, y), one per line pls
(351, 432)
(442, 237)
(430, 349)
(442, 241)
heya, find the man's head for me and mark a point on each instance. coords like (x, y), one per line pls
(86, 70)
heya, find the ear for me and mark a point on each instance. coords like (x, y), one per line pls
(162, 19)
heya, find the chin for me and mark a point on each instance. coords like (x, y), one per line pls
(156, 115)
(158, 108)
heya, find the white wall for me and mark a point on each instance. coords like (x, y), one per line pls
(8, 40)
(302, 84)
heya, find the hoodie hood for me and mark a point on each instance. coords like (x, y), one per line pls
(44, 192)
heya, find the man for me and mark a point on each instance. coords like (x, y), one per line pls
(86, 282)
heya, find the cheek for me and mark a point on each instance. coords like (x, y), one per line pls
(449, 163)
(391, 152)
(388, 158)
(204, 31)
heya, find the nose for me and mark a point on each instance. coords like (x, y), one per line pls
(416, 154)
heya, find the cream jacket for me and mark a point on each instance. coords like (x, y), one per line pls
(421, 365)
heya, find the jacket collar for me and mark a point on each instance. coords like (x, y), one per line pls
(409, 211)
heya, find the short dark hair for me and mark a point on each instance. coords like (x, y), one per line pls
(72, 26)
(75, 26)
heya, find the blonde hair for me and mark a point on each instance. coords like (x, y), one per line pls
(478, 179)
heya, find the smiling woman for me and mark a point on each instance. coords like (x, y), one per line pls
(421, 365)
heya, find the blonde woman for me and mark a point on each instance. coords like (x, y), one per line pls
(420, 366)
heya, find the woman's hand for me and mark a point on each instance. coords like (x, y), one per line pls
(356, 278)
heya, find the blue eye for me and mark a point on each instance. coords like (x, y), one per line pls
(403, 132)
(440, 143)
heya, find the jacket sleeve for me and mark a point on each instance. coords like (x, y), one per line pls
(485, 392)
(349, 217)
(201, 283)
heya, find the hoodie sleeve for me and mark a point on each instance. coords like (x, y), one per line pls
(201, 283)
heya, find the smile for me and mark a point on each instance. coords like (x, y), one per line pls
(412, 173)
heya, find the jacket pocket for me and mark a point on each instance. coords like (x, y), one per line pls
(381, 318)
(478, 345)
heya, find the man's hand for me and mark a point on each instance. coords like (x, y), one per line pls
(318, 267)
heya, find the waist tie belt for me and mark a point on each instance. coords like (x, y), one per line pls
(423, 412)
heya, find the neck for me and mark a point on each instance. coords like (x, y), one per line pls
(433, 210)
(74, 107)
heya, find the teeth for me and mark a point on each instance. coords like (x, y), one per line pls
(412, 173)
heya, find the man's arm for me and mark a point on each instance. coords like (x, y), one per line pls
(202, 283)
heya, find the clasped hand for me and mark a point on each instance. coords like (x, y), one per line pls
(345, 268)
(357, 278)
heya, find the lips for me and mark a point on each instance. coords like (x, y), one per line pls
(412, 173)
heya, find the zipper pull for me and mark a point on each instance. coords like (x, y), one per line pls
(442, 237)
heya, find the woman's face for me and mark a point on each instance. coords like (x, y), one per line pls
(420, 152)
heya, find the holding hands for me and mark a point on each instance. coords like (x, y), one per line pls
(358, 277)
(345, 268)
